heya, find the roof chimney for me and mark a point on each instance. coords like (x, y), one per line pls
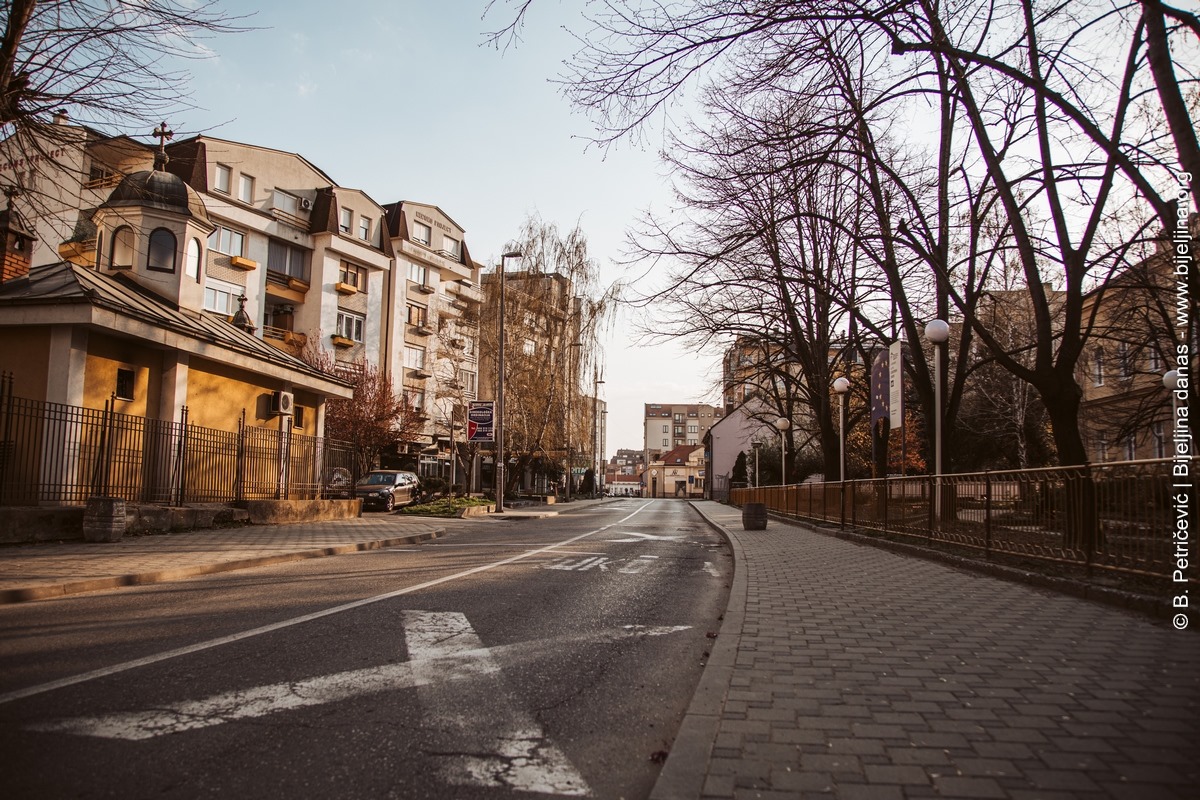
(60, 116)
(16, 241)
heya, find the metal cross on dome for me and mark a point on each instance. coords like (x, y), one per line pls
(164, 134)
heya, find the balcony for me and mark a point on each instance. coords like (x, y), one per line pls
(423, 330)
(277, 336)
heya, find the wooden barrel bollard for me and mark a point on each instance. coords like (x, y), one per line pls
(754, 516)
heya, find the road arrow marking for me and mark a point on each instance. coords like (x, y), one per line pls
(260, 701)
(641, 537)
(491, 741)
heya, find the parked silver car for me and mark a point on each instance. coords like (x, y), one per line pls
(387, 488)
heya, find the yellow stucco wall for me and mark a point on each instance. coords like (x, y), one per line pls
(25, 352)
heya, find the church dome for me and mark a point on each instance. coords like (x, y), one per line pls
(154, 188)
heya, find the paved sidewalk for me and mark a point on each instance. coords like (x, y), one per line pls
(53, 569)
(848, 671)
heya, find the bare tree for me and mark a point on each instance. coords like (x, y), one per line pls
(555, 313)
(109, 64)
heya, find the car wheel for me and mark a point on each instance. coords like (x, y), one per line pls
(389, 502)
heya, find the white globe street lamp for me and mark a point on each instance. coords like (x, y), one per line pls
(937, 331)
(841, 386)
(783, 424)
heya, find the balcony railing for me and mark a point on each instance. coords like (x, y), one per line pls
(1116, 517)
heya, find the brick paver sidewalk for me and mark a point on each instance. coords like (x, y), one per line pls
(848, 671)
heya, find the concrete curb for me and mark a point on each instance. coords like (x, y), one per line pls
(684, 772)
(47, 591)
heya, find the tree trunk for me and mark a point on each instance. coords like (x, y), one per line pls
(1080, 524)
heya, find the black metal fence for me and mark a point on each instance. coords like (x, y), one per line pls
(52, 453)
(1118, 517)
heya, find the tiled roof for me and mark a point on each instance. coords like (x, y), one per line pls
(65, 283)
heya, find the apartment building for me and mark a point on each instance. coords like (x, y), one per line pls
(668, 426)
(435, 330)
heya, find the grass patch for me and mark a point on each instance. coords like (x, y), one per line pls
(444, 506)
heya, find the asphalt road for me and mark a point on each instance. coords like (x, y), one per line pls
(508, 659)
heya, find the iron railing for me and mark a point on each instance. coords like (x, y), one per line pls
(55, 454)
(1115, 516)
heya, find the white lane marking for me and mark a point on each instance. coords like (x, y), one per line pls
(710, 569)
(639, 537)
(582, 565)
(260, 701)
(104, 672)
(506, 745)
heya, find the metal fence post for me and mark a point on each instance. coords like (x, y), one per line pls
(987, 514)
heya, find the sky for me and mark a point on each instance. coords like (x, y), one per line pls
(404, 101)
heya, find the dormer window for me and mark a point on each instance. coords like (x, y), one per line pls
(364, 228)
(222, 178)
(345, 219)
(421, 233)
(191, 263)
(452, 248)
(160, 256)
(286, 203)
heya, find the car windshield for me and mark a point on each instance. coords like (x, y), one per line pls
(379, 479)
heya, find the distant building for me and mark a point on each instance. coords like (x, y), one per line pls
(676, 473)
(668, 426)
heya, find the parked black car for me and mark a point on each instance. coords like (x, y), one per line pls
(387, 488)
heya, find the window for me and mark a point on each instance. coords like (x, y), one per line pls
(245, 188)
(1098, 367)
(421, 233)
(679, 430)
(160, 256)
(529, 348)
(1130, 447)
(416, 399)
(416, 273)
(468, 346)
(350, 325)
(1160, 440)
(298, 417)
(121, 254)
(679, 417)
(452, 247)
(287, 259)
(666, 443)
(466, 379)
(221, 297)
(227, 241)
(191, 262)
(1123, 364)
(353, 275)
(416, 314)
(364, 228)
(286, 203)
(1153, 360)
(124, 388)
(1102, 446)
(414, 357)
(666, 428)
(345, 219)
(222, 179)
(693, 428)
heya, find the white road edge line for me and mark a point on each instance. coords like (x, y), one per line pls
(105, 672)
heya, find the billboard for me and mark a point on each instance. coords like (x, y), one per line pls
(481, 421)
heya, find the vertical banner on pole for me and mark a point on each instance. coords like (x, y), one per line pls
(896, 385)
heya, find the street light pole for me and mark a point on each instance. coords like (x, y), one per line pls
(498, 472)
(937, 331)
(841, 386)
(595, 424)
(783, 423)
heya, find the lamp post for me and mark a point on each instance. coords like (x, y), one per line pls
(498, 472)
(757, 446)
(841, 386)
(572, 351)
(596, 381)
(937, 331)
(1170, 381)
(783, 423)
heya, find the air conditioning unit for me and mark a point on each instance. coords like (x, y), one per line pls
(305, 204)
(282, 404)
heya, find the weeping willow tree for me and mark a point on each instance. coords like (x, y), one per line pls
(556, 311)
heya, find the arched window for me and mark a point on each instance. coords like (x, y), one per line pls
(192, 264)
(161, 255)
(120, 255)
(100, 249)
